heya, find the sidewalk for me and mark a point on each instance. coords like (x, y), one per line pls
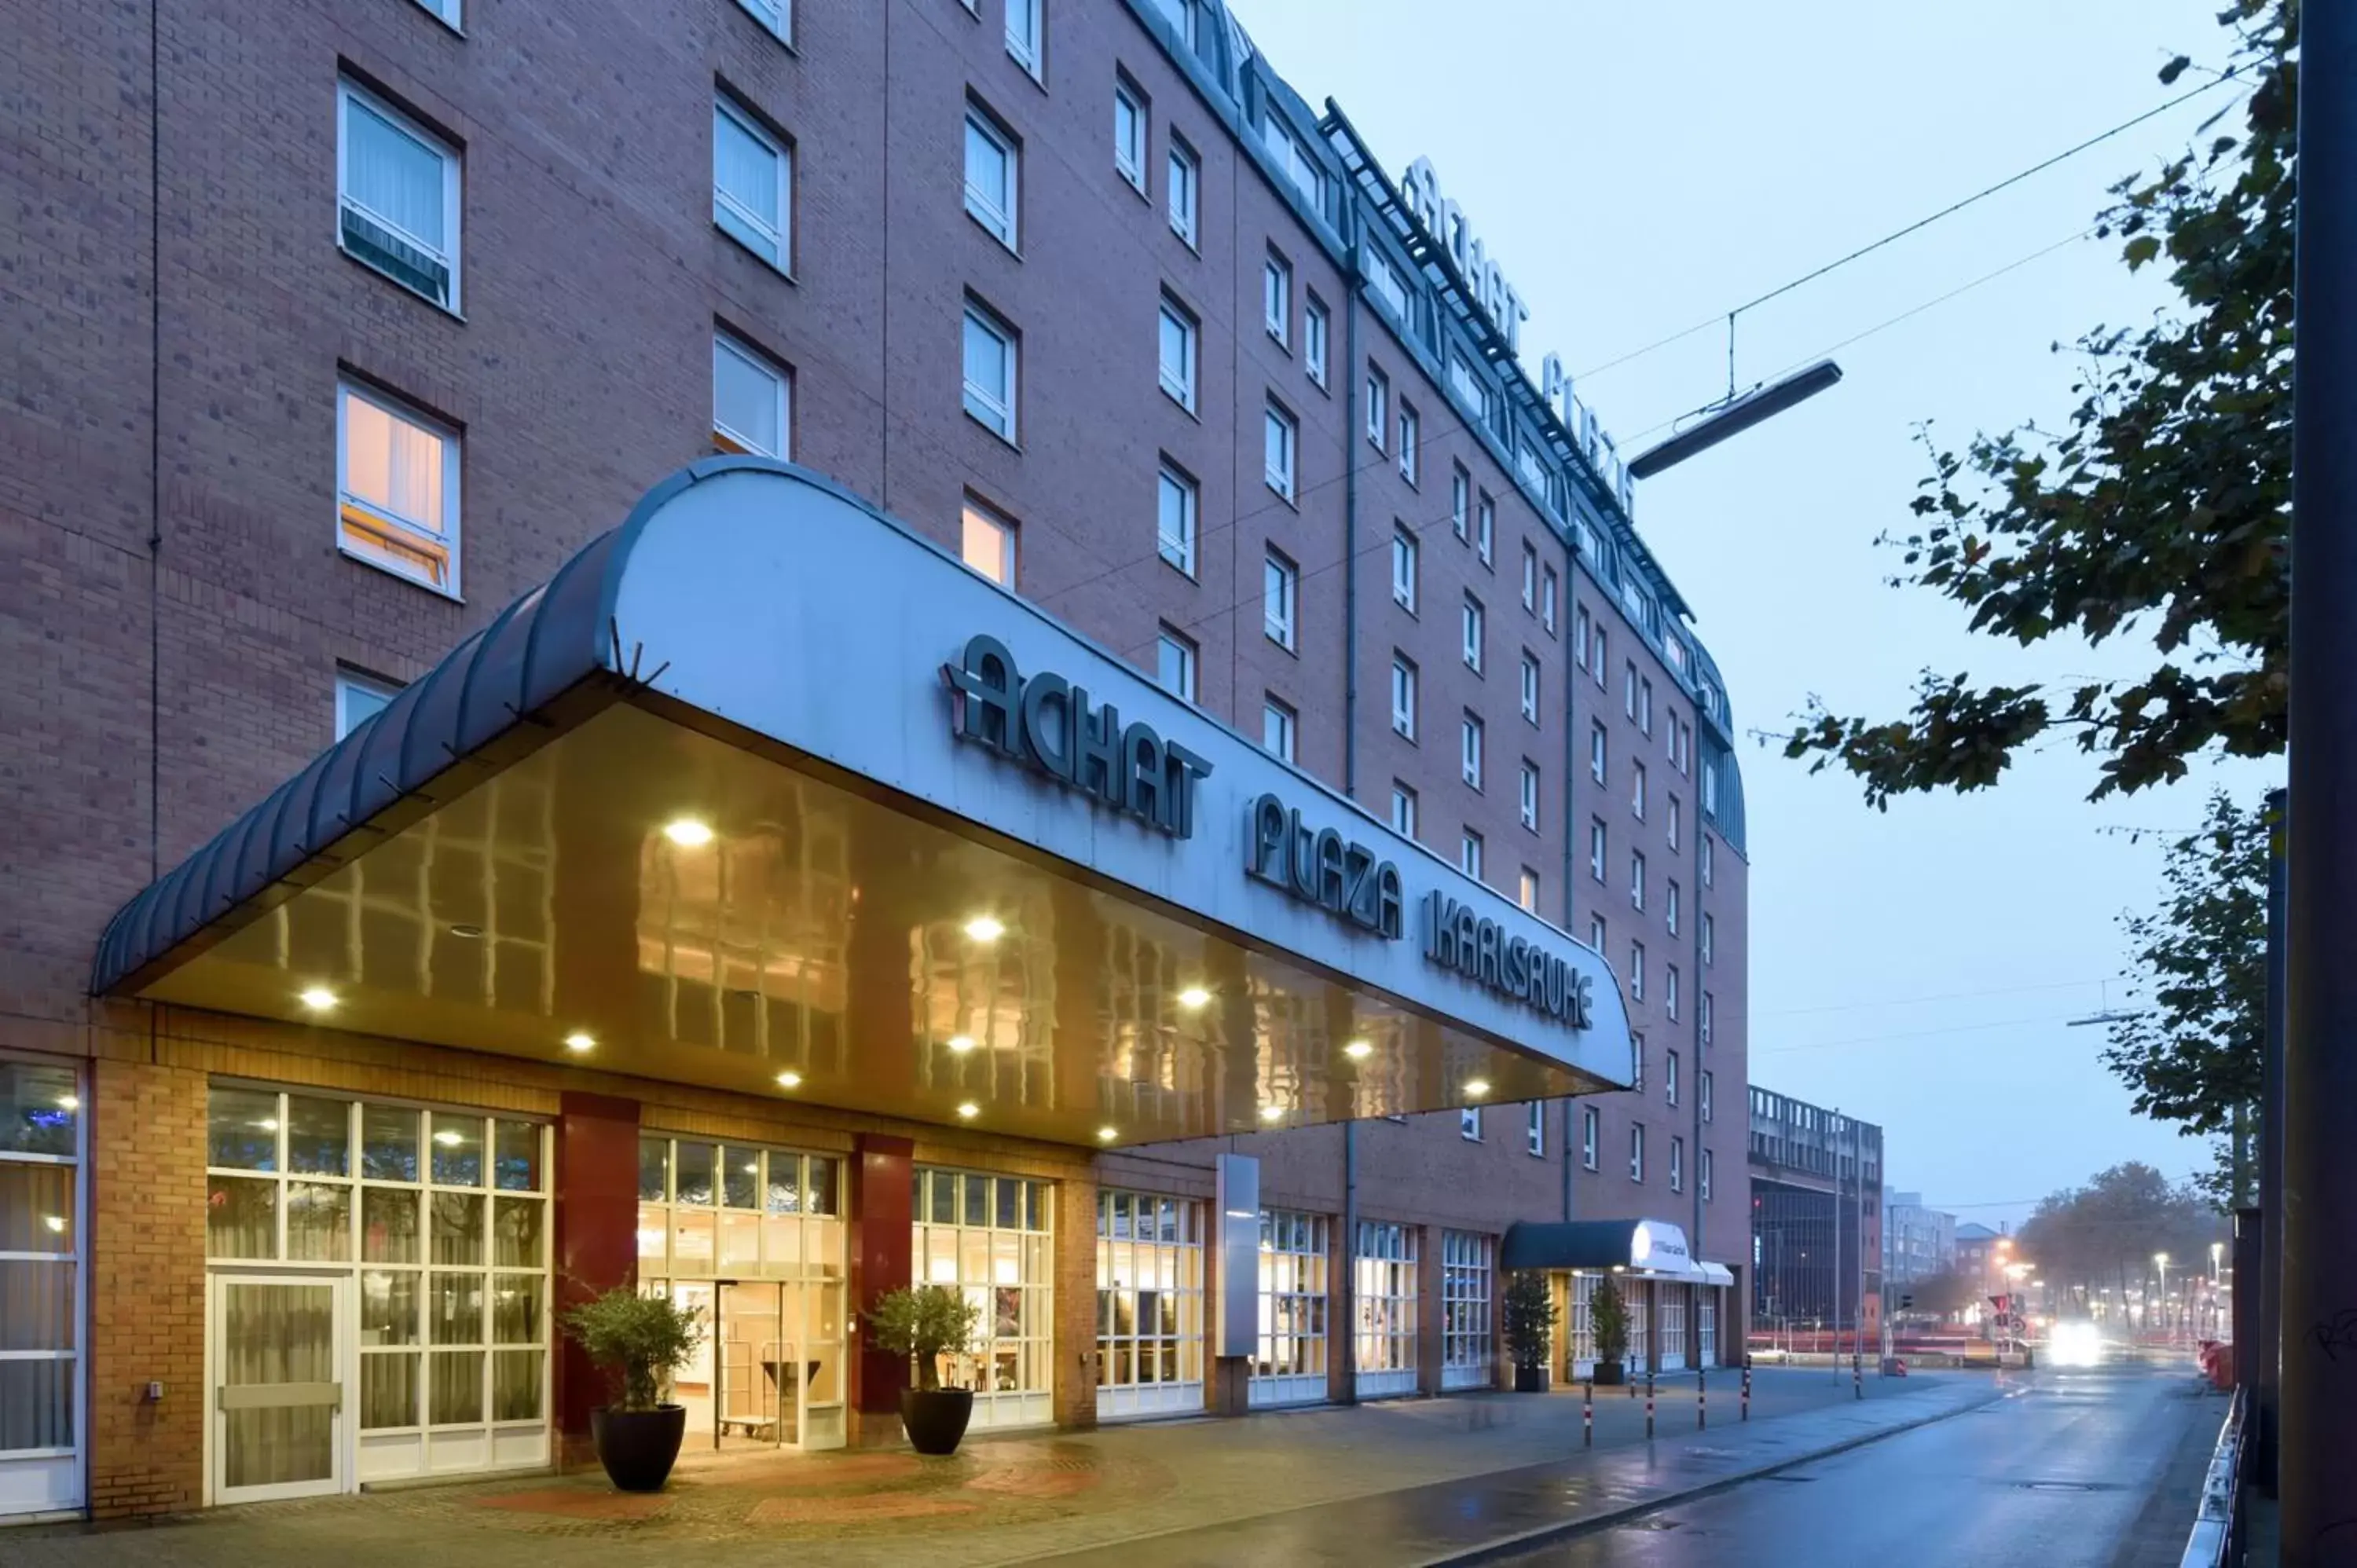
(1402, 1482)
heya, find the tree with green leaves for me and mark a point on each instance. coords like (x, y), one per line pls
(2100, 1242)
(2190, 1046)
(2161, 512)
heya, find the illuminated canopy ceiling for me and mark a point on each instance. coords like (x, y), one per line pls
(712, 808)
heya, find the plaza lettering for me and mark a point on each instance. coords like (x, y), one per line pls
(1049, 725)
(1320, 866)
(1482, 949)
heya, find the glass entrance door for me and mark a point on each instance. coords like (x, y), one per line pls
(755, 1368)
(278, 1395)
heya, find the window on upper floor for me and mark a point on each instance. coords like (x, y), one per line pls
(1294, 158)
(1636, 880)
(1186, 17)
(987, 542)
(1469, 750)
(1529, 687)
(1176, 502)
(1468, 1123)
(752, 184)
(1410, 442)
(1383, 281)
(1672, 824)
(1175, 660)
(1596, 934)
(397, 487)
(1637, 789)
(1528, 893)
(1645, 704)
(1710, 791)
(1703, 1175)
(1547, 599)
(1316, 328)
(1677, 1164)
(1670, 908)
(1530, 795)
(1589, 1123)
(1669, 989)
(1403, 568)
(1705, 1019)
(1597, 835)
(1475, 629)
(1485, 529)
(991, 352)
(1702, 1087)
(752, 399)
(1534, 1127)
(1470, 386)
(1403, 683)
(453, 12)
(1129, 134)
(1703, 858)
(1026, 35)
(1596, 653)
(1280, 597)
(359, 698)
(1629, 688)
(397, 186)
(1179, 348)
(1706, 941)
(994, 175)
(1278, 725)
(1403, 810)
(1277, 298)
(1185, 191)
(1579, 637)
(1637, 1151)
(1468, 854)
(1598, 744)
(1280, 441)
(1530, 577)
(1379, 406)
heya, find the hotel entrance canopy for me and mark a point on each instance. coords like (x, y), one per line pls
(762, 791)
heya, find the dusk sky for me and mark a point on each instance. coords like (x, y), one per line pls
(1915, 968)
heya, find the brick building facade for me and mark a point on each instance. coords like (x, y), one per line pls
(208, 322)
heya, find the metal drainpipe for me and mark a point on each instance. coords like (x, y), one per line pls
(1701, 1051)
(1351, 517)
(1350, 1301)
(1568, 609)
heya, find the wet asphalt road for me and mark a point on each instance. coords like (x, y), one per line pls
(2093, 1468)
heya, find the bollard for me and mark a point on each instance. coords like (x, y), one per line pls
(1702, 1399)
(1648, 1404)
(1856, 1376)
(1588, 1414)
(1747, 1392)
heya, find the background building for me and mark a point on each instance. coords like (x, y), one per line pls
(396, 322)
(1816, 1215)
(1917, 1242)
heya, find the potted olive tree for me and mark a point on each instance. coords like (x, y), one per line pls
(924, 1325)
(1609, 1314)
(640, 1340)
(1530, 1312)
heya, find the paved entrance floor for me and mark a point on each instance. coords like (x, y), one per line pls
(1400, 1482)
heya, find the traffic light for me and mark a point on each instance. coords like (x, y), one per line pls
(1907, 1300)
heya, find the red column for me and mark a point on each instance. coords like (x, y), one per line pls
(596, 1241)
(883, 1179)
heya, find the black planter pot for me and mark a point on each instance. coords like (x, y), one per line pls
(1608, 1373)
(637, 1446)
(935, 1419)
(1529, 1380)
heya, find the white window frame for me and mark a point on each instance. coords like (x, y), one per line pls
(1468, 1123)
(999, 526)
(1636, 879)
(1315, 337)
(776, 16)
(1706, 943)
(1645, 703)
(348, 93)
(1471, 744)
(989, 406)
(53, 1477)
(1384, 1278)
(1405, 553)
(1404, 695)
(977, 1231)
(1703, 1175)
(1299, 165)
(1637, 791)
(1596, 934)
(1670, 1078)
(1460, 502)
(1530, 577)
(351, 684)
(1028, 46)
(1411, 444)
(1600, 752)
(1129, 149)
(1379, 406)
(1277, 299)
(1404, 812)
(1150, 1272)
(1178, 550)
(1671, 826)
(1636, 971)
(1485, 529)
(1530, 892)
(1005, 226)
(726, 206)
(1279, 729)
(1548, 593)
(1669, 989)
(354, 514)
(1703, 1087)
(1529, 796)
(1590, 1131)
(1296, 1255)
(1184, 195)
(1637, 1152)
(1579, 631)
(1534, 1128)
(1473, 623)
(1473, 855)
(1280, 599)
(781, 396)
(1469, 1356)
(1530, 691)
(1280, 450)
(1703, 858)
(1677, 1164)
(1170, 639)
(1598, 848)
(1178, 382)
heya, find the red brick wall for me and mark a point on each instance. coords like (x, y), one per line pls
(146, 1288)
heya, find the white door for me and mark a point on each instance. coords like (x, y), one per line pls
(278, 1391)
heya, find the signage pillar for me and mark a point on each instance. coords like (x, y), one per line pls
(1235, 1273)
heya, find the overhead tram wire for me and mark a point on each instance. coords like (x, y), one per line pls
(1727, 318)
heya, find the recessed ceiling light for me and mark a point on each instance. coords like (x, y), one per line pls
(1193, 996)
(318, 998)
(68, 1103)
(450, 1137)
(56, 1222)
(470, 933)
(687, 833)
(1272, 1112)
(268, 1123)
(1107, 1134)
(1358, 1050)
(985, 929)
(1477, 1086)
(959, 1043)
(789, 1080)
(580, 1040)
(969, 1111)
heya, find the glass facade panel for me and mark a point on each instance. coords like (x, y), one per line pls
(1149, 1290)
(1385, 1282)
(1293, 1328)
(1467, 1347)
(986, 1259)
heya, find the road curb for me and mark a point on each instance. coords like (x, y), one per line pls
(1522, 1540)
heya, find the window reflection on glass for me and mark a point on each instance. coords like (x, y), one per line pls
(691, 1173)
(319, 1136)
(516, 1225)
(388, 1391)
(388, 1307)
(515, 1156)
(319, 1223)
(388, 1144)
(454, 1308)
(784, 1195)
(240, 1217)
(515, 1309)
(654, 1170)
(516, 1384)
(457, 1227)
(740, 1176)
(39, 1107)
(389, 1226)
(36, 1208)
(458, 1387)
(458, 1149)
(242, 1128)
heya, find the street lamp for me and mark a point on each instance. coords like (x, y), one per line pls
(2162, 1260)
